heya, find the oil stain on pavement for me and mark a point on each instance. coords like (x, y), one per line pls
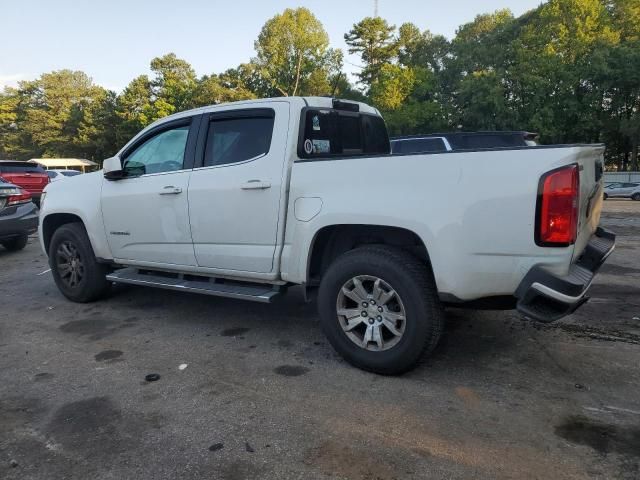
(234, 332)
(107, 355)
(602, 437)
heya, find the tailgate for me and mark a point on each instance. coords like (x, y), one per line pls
(590, 160)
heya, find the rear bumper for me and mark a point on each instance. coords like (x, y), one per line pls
(18, 220)
(546, 297)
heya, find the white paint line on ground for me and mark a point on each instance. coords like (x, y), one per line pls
(612, 409)
(42, 273)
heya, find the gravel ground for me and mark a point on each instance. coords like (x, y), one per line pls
(263, 395)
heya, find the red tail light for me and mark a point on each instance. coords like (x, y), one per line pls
(21, 197)
(557, 209)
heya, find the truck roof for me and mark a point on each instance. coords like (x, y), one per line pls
(315, 102)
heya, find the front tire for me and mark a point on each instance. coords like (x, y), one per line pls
(16, 243)
(379, 308)
(605, 196)
(73, 264)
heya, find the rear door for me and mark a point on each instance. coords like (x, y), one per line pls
(236, 190)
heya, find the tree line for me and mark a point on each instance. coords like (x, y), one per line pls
(568, 70)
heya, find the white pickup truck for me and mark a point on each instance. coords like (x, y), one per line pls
(245, 199)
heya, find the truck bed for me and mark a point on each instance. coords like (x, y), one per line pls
(474, 210)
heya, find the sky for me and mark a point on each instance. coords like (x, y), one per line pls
(114, 41)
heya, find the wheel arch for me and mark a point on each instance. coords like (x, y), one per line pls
(331, 241)
(54, 221)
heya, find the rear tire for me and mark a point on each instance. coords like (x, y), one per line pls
(16, 243)
(73, 264)
(405, 289)
(636, 197)
(605, 196)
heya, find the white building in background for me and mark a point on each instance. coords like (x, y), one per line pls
(67, 164)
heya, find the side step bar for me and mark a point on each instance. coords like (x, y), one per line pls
(195, 284)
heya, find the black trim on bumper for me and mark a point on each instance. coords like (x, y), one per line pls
(546, 297)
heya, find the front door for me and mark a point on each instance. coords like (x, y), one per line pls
(235, 195)
(146, 214)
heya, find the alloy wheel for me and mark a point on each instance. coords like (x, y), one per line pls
(69, 264)
(371, 313)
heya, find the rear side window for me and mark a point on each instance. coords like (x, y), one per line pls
(235, 140)
(70, 173)
(328, 132)
(20, 167)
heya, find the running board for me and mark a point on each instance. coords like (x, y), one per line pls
(195, 284)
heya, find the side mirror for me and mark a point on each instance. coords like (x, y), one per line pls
(112, 169)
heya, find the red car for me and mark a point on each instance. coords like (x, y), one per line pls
(28, 176)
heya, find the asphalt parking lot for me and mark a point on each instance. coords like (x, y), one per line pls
(263, 395)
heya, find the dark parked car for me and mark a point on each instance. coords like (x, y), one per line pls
(447, 142)
(18, 216)
(28, 176)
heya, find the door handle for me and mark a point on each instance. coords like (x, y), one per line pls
(170, 190)
(255, 185)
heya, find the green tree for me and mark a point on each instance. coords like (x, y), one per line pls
(214, 89)
(134, 108)
(145, 100)
(374, 40)
(394, 85)
(97, 130)
(9, 136)
(428, 108)
(422, 49)
(626, 17)
(173, 85)
(290, 51)
(54, 115)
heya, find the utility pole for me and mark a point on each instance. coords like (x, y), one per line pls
(375, 8)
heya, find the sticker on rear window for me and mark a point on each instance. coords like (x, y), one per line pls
(316, 123)
(321, 146)
(308, 147)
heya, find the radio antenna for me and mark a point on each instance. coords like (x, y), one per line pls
(375, 8)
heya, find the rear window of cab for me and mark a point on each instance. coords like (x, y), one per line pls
(327, 133)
